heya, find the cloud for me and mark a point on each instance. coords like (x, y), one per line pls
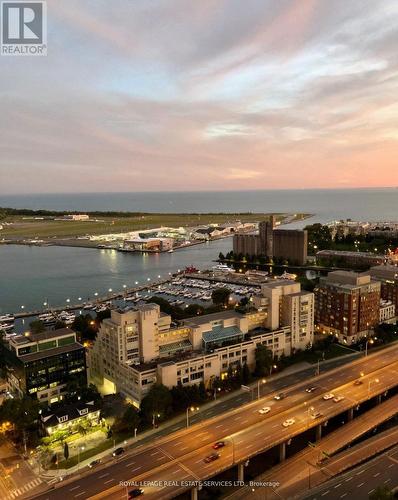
(216, 94)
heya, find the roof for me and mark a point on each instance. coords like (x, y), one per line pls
(207, 318)
(175, 346)
(72, 411)
(34, 356)
(47, 335)
(221, 333)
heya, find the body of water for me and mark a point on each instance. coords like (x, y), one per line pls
(30, 276)
(325, 204)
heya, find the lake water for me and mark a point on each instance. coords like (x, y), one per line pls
(357, 204)
(30, 276)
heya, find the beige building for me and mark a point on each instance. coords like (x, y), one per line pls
(136, 348)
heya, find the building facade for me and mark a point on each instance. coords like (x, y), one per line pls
(42, 364)
(137, 348)
(388, 276)
(347, 304)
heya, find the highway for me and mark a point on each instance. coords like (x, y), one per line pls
(301, 471)
(245, 431)
(360, 482)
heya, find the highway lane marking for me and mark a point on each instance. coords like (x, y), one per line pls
(109, 481)
(360, 472)
(348, 479)
(245, 421)
(131, 463)
(184, 448)
(80, 494)
(377, 474)
(360, 484)
(74, 488)
(391, 465)
(159, 458)
(259, 433)
(218, 426)
(137, 468)
(325, 493)
(338, 485)
(156, 453)
(343, 495)
(387, 481)
(371, 491)
(104, 475)
(237, 418)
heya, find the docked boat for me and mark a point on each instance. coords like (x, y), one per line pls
(6, 327)
(224, 268)
(7, 318)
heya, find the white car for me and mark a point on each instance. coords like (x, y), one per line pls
(338, 398)
(317, 414)
(328, 396)
(288, 422)
(264, 410)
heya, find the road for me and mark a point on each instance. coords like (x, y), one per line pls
(245, 431)
(16, 476)
(302, 471)
(360, 482)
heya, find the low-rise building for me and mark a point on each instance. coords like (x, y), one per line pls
(388, 276)
(42, 364)
(387, 312)
(70, 417)
(348, 258)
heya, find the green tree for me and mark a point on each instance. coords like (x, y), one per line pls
(37, 326)
(263, 358)
(129, 421)
(158, 401)
(66, 450)
(221, 296)
(246, 375)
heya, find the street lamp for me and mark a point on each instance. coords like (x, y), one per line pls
(215, 391)
(263, 381)
(78, 455)
(154, 419)
(192, 409)
(272, 367)
(368, 341)
(376, 380)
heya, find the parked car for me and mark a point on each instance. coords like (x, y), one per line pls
(211, 458)
(118, 452)
(137, 492)
(219, 444)
(289, 422)
(94, 463)
(265, 410)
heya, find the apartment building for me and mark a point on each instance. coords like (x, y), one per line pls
(347, 305)
(41, 364)
(388, 276)
(136, 348)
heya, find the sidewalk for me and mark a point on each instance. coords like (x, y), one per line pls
(179, 421)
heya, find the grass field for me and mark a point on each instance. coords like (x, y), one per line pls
(20, 227)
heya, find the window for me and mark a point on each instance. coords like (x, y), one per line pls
(63, 419)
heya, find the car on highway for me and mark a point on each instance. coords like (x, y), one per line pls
(280, 396)
(289, 422)
(211, 458)
(358, 382)
(265, 410)
(338, 398)
(118, 452)
(219, 444)
(94, 463)
(310, 389)
(330, 395)
(137, 492)
(315, 415)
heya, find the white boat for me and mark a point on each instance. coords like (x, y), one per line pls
(7, 318)
(224, 268)
(170, 251)
(6, 327)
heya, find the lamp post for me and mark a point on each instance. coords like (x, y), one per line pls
(263, 381)
(216, 389)
(192, 409)
(78, 455)
(376, 380)
(154, 419)
(272, 367)
(368, 341)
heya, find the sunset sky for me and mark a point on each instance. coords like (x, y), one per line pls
(142, 95)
